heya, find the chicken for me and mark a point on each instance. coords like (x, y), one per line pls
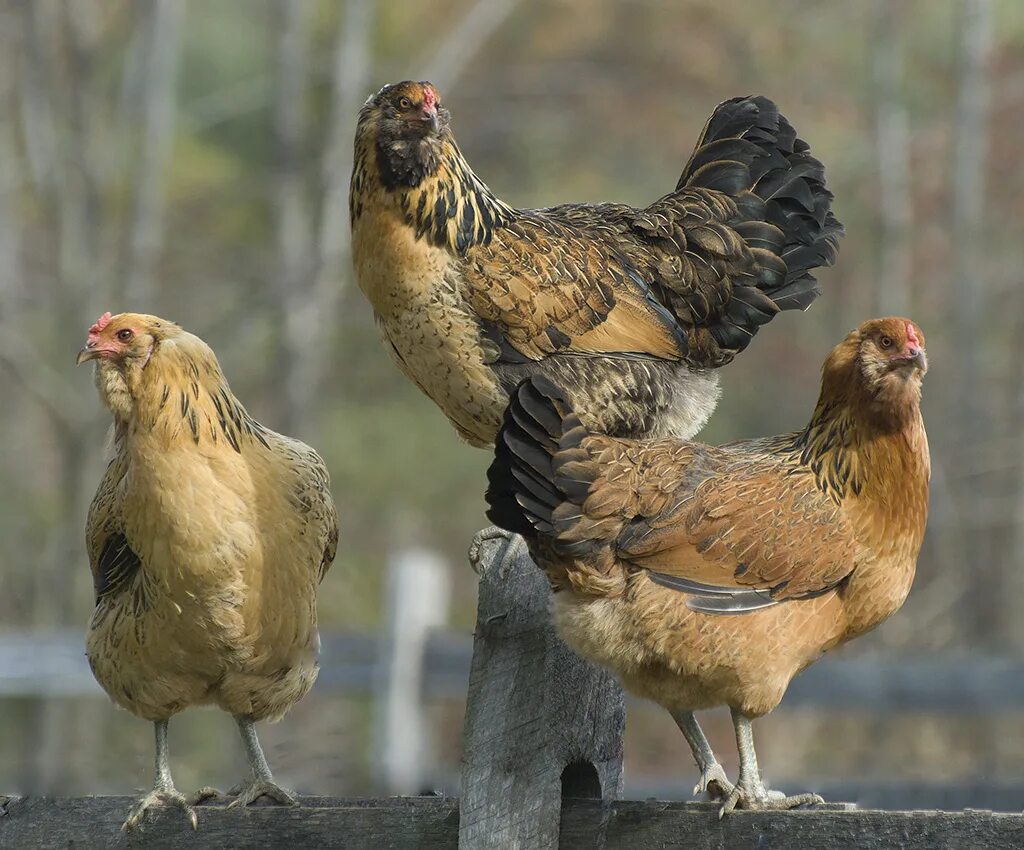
(708, 576)
(630, 311)
(207, 537)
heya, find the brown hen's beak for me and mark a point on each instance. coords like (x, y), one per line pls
(90, 352)
(912, 356)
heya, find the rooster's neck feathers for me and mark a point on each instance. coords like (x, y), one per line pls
(434, 188)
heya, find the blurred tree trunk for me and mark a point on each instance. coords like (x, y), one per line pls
(969, 296)
(161, 35)
(291, 290)
(312, 267)
(892, 140)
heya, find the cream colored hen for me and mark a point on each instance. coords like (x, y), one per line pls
(207, 537)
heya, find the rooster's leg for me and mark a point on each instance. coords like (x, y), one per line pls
(713, 780)
(262, 781)
(164, 793)
(508, 544)
(750, 792)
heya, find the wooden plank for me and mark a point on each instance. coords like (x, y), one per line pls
(696, 826)
(94, 823)
(539, 719)
(432, 823)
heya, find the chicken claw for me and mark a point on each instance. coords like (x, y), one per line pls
(253, 789)
(714, 783)
(509, 544)
(158, 797)
(197, 798)
(754, 796)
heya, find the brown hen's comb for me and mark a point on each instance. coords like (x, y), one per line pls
(429, 98)
(912, 335)
(100, 323)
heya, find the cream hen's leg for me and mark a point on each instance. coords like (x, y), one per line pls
(713, 780)
(261, 784)
(750, 792)
(164, 793)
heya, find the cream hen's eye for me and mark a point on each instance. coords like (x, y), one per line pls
(404, 103)
(885, 342)
(125, 335)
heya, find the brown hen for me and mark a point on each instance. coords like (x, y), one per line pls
(207, 538)
(628, 310)
(708, 576)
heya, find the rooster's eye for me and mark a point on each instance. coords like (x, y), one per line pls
(405, 103)
(125, 335)
(885, 342)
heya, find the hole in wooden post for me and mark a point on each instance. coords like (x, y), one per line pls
(580, 779)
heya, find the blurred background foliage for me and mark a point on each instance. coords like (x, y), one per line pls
(191, 159)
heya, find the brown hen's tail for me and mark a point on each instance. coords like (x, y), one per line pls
(540, 473)
(751, 152)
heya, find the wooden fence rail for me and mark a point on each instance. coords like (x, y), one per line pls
(432, 823)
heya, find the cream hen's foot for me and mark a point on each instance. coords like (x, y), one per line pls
(197, 798)
(750, 792)
(164, 793)
(253, 789)
(262, 782)
(158, 797)
(504, 543)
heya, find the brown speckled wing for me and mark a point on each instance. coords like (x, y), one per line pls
(732, 520)
(549, 283)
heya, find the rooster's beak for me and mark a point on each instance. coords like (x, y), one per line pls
(90, 352)
(430, 114)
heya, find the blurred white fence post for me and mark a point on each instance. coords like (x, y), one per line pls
(417, 602)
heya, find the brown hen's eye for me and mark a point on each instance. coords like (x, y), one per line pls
(125, 335)
(405, 103)
(885, 342)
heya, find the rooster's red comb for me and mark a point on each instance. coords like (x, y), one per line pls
(100, 323)
(429, 96)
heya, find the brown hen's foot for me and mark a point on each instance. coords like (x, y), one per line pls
(754, 796)
(158, 797)
(507, 544)
(714, 784)
(256, 788)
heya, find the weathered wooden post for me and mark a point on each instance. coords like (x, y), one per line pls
(541, 723)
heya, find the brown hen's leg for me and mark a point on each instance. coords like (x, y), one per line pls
(164, 793)
(713, 781)
(262, 782)
(507, 545)
(750, 792)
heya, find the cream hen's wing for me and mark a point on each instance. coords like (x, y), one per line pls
(739, 531)
(310, 498)
(112, 558)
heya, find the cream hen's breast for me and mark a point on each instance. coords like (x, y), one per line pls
(417, 294)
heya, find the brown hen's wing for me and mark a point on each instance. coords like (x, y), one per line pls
(691, 277)
(753, 524)
(736, 529)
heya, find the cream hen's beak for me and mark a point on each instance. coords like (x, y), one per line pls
(89, 352)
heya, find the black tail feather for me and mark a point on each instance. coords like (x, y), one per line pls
(522, 493)
(750, 151)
